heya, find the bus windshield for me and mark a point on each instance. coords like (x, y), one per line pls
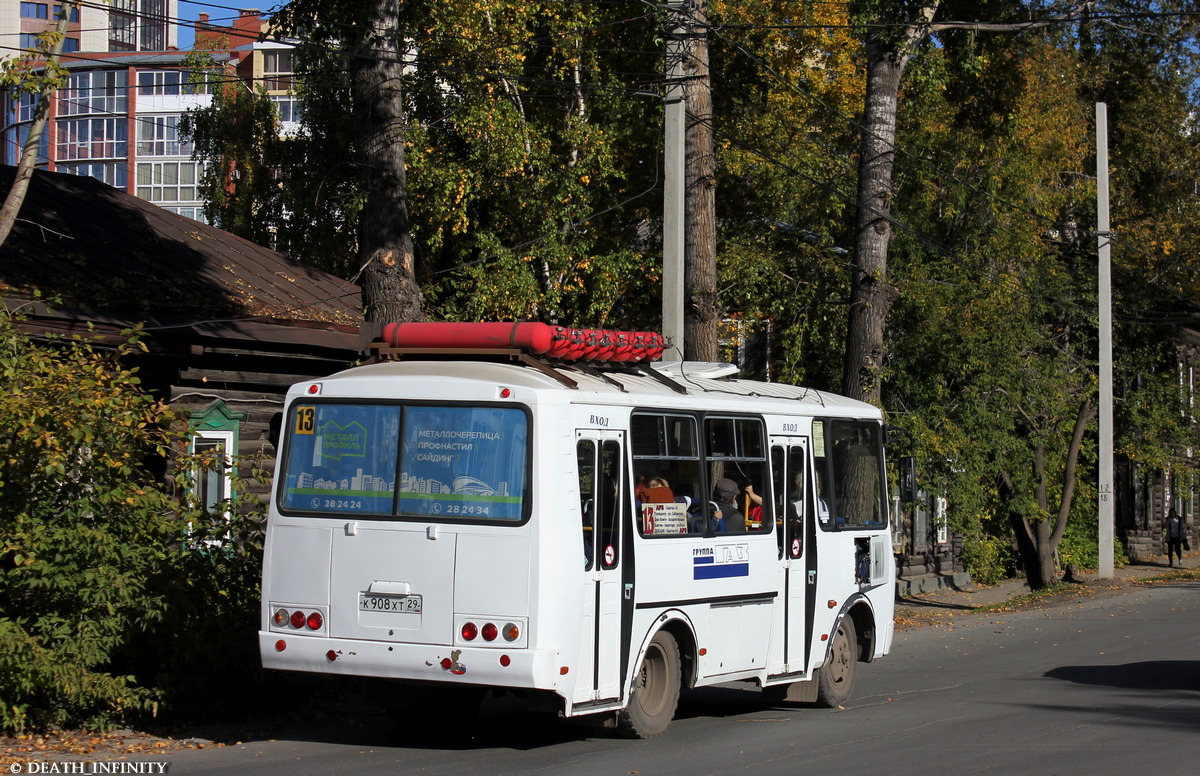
(451, 462)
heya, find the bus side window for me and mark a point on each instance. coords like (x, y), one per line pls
(611, 503)
(736, 460)
(799, 502)
(849, 479)
(669, 490)
(779, 489)
(585, 456)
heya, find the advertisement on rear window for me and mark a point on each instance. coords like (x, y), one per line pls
(342, 458)
(463, 462)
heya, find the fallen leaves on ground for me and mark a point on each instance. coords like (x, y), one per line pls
(82, 742)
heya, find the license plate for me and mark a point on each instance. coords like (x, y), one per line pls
(407, 604)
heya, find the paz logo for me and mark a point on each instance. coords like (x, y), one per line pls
(721, 561)
(348, 441)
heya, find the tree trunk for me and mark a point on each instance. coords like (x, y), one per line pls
(28, 161)
(1045, 575)
(701, 313)
(871, 295)
(1038, 542)
(389, 286)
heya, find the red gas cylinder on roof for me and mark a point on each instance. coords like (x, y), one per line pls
(535, 338)
(538, 339)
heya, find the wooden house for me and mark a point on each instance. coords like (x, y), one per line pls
(230, 324)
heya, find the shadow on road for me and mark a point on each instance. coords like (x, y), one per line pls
(1150, 675)
(502, 723)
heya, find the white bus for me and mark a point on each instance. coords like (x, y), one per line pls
(594, 535)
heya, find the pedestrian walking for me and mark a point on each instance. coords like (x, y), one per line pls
(1175, 536)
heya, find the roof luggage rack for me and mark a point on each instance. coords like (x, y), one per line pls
(538, 345)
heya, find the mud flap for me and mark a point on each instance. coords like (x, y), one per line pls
(802, 692)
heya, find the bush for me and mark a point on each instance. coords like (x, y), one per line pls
(115, 598)
(988, 559)
(1078, 546)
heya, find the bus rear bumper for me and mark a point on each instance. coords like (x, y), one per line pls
(533, 669)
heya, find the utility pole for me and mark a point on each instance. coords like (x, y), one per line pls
(1104, 247)
(675, 122)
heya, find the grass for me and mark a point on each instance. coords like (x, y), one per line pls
(1030, 599)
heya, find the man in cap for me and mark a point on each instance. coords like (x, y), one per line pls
(725, 494)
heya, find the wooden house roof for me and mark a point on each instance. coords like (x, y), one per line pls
(93, 253)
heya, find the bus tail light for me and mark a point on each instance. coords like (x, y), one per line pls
(297, 619)
(483, 630)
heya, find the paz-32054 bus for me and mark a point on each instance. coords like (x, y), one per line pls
(595, 533)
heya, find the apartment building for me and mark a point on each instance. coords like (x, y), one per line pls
(117, 119)
(96, 25)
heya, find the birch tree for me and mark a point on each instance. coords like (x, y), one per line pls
(21, 74)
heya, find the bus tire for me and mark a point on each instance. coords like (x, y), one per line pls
(835, 679)
(655, 691)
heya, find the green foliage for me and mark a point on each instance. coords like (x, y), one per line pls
(202, 656)
(530, 155)
(988, 559)
(1079, 544)
(105, 577)
(239, 134)
(82, 528)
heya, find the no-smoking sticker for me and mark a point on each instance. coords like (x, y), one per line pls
(795, 547)
(610, 555)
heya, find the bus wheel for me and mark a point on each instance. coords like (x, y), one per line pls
(835, 679)
(655, 691)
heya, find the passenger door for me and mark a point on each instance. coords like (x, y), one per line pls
(797, 551)
(604, 498)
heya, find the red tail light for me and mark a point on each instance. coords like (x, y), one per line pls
(490, 632)
(315, 621)
(298, 619)
(469, 631)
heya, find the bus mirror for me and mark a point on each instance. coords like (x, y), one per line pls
(908, 479)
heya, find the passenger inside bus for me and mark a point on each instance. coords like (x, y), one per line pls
(658, 491)
(754, 506)
(729, 518)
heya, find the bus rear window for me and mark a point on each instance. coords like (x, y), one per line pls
(463, 462)
(456, 463)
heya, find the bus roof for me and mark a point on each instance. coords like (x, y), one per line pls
(683, 385)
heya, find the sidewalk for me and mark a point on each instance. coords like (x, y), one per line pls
(972, 596)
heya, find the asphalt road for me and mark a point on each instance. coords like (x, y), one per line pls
(1107, 685)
